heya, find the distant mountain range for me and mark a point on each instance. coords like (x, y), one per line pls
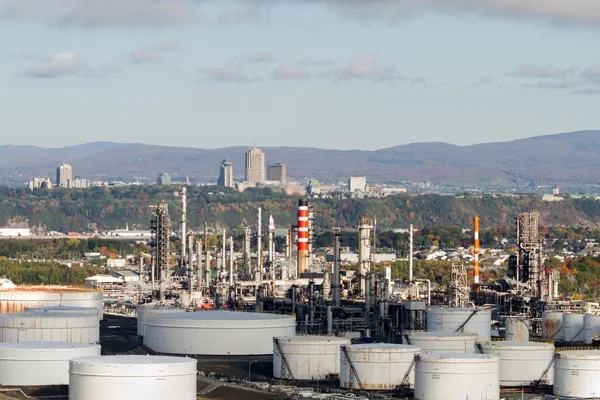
(567, 158)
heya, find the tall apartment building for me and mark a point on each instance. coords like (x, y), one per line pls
(226, 174)
(40, 183)
(357, 184)
(64, 175)
(255, 167)
(277, 172)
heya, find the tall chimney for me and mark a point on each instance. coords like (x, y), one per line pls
(302, 235)
(476, 251)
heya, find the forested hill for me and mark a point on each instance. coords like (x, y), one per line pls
(109, 208)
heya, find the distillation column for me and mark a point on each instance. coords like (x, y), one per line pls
(365, 225)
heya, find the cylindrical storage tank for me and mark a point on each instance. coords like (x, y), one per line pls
(457, 376)
(451, 319)
(18, 299)
(522, 363)
(132, 378)
(572, 327)
(443, 342)
(591, 328)
(551, 324)
(308, 357)
(65, 310)
(576, 374)
(40, 363)
(216, 332)
(49, 327)
(516, 330)
(143, 313)
(379, 366)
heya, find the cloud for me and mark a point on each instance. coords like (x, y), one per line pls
(226, 73)
(153, 54)
(23, 56)
(104, 13)
(482, 82)
(111, 69)
(556, 11)
(312, 62)
(366, 67)
(553, 85)
(63, 64)
(592, 71)
(589, 91)
(527, 70)
(291, 72)
(263, 57)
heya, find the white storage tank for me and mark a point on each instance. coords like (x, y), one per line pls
(572, 327)
(443, 342)
(49, 327)
(379, 366)
(576, 374)
(591, 328)
(64, 309)
(516, 330)
(308, 357)
(451, 319)
(17, 299)
(216, 332)
(522, 363)
(457, 377)
(551, 324)
(143, 313)
(132, 378)
(40, 363)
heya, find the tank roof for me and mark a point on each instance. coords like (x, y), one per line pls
(457, 310)
(45, 345)
(580, 354)
(59, 308)
(520, 345)
(459, 358)
(136, 359)
(441, 335)
(56, 289)
(315, 338)
(43, 314)
(383, 346)
(224, 316)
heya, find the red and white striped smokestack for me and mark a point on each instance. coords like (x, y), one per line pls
(476, 251)
(302, 235)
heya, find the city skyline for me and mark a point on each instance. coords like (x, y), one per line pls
(381, 70)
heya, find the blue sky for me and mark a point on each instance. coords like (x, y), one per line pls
(324, 73)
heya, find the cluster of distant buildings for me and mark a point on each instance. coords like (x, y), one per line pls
(64, 178)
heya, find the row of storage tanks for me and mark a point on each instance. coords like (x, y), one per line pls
(570, 327)
(49, 336)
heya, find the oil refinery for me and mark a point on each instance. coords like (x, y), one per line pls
(311, 328)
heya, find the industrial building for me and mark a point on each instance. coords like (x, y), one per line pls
(255, 167)
(277, 173)
(15, 232)
(357, 184)
(226, 174)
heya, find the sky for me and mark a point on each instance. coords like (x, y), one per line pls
(345, 74)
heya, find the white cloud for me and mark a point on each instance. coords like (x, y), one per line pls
(153, 54)
(560, 11)
(227, 73)
(528, 70)
(366, 67)
(101, 13)
(592, 71)
(291, 72)
(63, 64)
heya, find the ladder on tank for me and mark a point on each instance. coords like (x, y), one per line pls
(405, 384)
(538, 383)
(285, 367)
(462, 327)
(353, 373)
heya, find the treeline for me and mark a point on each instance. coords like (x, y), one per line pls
(34, 273)
(66, 248)
(89, 210)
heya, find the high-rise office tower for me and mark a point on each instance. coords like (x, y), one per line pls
(276, 172)
(255, 167)
(64, 175)
(226, 174)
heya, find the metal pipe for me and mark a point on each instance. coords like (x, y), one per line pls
(141, 277)
(259, 261)
(199, 264)
(329, 321)
(190, 262)
(476, 252)
(428, 289)
(224, 254)
(337, 289)
(230, 261)
(410, 254)
(183, 224)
